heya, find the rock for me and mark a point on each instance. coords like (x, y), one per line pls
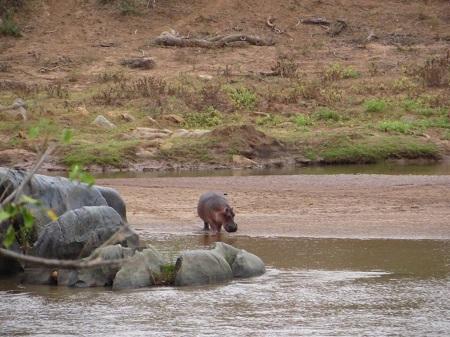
(145, 154)
(141, 270)
(56, 193)
(205, 77)
(41, 276)
(199, 132)
(243, 161)
(141, 63)
(114, 200)
(127, 117)
(243, 264)
(188, 134)
(96, 277)
(103, 122)
(152, 122)
(78, 232)
(247, 265)
(150, 133)
(198, 267)
(154, 143)
(174, 119)
(17, 109)
(181, 133)
(260, 114)
(82, 111)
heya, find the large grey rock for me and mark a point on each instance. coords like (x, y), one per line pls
(60, 195)
(199, 267)
(96, 277)
(114, 200)
(78, 232)
(56, 193)
(141, 270)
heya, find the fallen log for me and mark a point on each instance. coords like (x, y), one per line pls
(316, 21)
(173, 40)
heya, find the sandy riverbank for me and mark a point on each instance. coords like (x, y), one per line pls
(361, 206)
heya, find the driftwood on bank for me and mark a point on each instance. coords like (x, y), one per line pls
(174, 40)
(332, 27)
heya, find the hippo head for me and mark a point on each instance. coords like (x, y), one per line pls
(228, 220)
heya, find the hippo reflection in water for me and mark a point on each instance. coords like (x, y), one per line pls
(215, 212)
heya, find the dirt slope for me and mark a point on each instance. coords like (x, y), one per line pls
(74, 29)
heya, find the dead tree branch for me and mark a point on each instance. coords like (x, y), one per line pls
(173, 40)
(64, 264)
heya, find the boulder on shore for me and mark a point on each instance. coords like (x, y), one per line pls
(78, 232)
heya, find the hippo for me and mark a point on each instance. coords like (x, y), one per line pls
(215, 211)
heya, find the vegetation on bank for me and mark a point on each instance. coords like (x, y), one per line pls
(340, 115)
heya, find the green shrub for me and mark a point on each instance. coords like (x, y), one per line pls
(243, 98)
(396, 126)
(271, 120)
(326, 114)
(112, 153)
(302, 120)
(337, 72)
(206, 119)
(375, 105)
(8, 26)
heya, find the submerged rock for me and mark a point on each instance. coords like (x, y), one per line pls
(96, 277)
(217, 265)
(143, 269)
(198, 267)
(78, 232)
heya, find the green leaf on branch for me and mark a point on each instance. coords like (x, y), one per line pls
(10, 237)
(67, 136)
(76, 173)
(28, 219)
(29, 200)
(4, 215)
(34, 132)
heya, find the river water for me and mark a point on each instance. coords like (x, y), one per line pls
(313, 287)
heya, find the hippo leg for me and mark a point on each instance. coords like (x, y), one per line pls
(206, 226)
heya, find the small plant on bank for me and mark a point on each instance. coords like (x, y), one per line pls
(302, 120)
(8, 27)
(396, 126)
(337, 72)
(206, 119)
(286, 66)
(375, 105)
(243, 98)
(436, 71)
(271, 120)
(326, 114)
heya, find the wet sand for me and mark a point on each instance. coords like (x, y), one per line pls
(333, 206)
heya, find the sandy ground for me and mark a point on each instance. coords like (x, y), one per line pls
(350, 206)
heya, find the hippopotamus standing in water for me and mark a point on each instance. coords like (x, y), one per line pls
(214, 210)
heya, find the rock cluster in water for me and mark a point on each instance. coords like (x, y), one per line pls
(88, 216)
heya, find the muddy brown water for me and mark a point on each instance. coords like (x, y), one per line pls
(313, 287)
